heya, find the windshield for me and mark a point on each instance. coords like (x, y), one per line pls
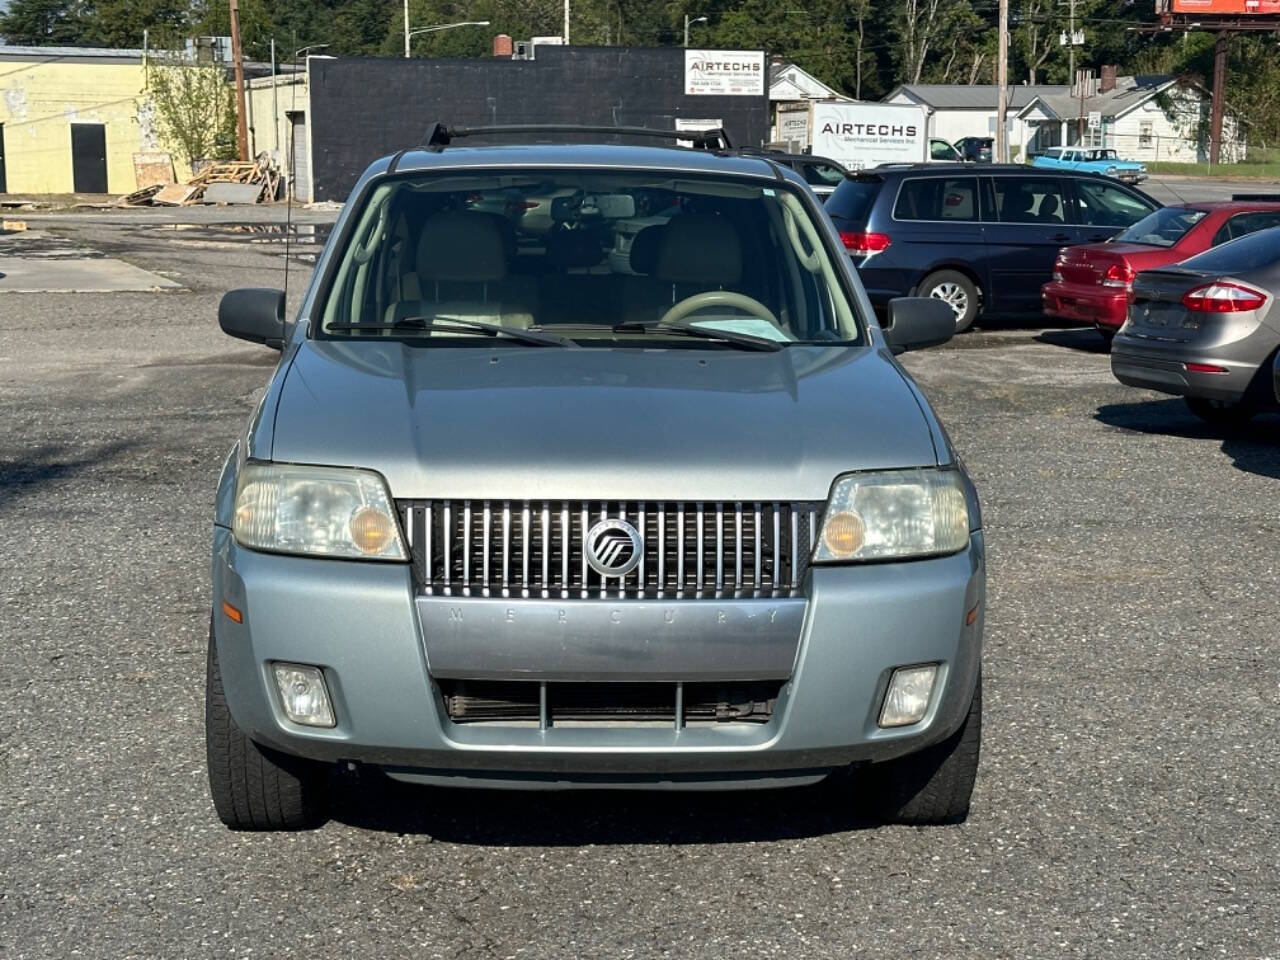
(1163, 228)
(587, 259)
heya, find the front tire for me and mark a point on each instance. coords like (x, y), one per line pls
(1221, 413)
(957, 291)
(934, 785)
(253, 787)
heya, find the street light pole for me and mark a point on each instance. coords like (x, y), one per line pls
(566, 22)
(687, 23)
(437, 27)
(406, 29)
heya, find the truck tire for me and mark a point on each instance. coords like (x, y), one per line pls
(932, 786)
(958, 291)
(253, 787)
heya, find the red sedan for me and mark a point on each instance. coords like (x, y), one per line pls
(1091, 282)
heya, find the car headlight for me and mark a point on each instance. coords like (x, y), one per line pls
(897, 514)
(1111, 171)
(316, 511)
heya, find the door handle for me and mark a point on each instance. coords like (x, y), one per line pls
(1060, 238)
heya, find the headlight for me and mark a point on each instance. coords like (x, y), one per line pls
(896, 514)
(1111, 171)
(316, 511)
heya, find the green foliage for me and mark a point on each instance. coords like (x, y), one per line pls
(195, 108)
(862, 47)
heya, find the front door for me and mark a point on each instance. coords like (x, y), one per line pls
(89, 157)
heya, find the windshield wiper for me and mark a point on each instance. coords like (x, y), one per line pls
(744, 340)
(461, 325)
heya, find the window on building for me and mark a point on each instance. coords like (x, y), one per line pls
(1146, 135)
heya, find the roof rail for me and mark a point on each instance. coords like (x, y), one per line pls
(1256, 197)
(440, 135)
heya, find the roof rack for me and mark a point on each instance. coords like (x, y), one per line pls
(1256, 197)
(440, 135)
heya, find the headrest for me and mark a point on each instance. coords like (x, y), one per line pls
(573, 248)
(699, 248)
(643, 257)
(1049, 205)
(458, 245)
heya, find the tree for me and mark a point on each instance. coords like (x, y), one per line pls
(38, 22)
(195, 108)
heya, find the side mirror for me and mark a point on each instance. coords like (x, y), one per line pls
(254, 314)
(919, 322)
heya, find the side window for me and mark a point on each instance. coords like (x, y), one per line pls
(1028, 200)
(938, 198)
(1105, 205)
(822, 174)
(1245, 223)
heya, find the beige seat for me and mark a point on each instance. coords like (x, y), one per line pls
(461, 271)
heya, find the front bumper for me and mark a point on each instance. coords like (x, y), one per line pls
(1085, 303)
(361, 623)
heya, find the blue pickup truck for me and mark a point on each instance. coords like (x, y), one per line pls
(1092, 160)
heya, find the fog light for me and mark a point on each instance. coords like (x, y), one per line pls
(908, 696)
(303, 694)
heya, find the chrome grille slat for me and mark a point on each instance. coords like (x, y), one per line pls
(701, 549)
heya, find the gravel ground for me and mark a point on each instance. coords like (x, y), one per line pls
(1125, 805)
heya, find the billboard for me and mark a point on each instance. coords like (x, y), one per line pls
(1230, 8)
(724, 73)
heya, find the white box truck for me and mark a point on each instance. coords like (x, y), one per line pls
(858, 135)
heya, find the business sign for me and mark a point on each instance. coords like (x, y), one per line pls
(724, 73)
(1095, 120)
(1227, 7)
(793, 125)
(861, 135)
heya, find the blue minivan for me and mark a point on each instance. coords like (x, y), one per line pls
(982, 240)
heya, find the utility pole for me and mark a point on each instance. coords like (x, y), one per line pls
(566, 22)
(1070, 42)
(1219, 92)
(406, 29)
(237, 56)
(1002, 81)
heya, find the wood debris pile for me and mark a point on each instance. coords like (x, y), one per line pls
(226, 181)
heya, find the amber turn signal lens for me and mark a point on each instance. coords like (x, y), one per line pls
(234, 615)
(843, 534)
(371, 530)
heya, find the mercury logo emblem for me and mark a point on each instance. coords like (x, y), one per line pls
(613, 548)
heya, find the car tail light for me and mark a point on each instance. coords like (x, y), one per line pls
(1223, 298)
(864, 243)
(1118, 275)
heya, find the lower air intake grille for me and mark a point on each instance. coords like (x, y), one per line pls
(535, 548)
(521, 701)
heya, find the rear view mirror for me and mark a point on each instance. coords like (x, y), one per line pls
(255, 314)
(919, 322)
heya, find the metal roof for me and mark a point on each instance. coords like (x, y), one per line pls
(978, 96)
(68, 53)
(1129, 93)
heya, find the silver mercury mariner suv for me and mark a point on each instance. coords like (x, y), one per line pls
(589, 467)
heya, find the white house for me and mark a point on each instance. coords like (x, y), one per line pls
(1143, 117)
(791, 90)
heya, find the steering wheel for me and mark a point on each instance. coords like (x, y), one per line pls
(718, 298)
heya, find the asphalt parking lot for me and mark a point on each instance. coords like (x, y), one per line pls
(1131, 760)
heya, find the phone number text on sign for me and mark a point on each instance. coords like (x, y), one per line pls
(721, 73)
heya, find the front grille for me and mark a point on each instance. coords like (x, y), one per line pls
(534, 548)
(679, 704)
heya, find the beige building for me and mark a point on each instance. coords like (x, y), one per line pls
(278, 108)
(72, 119)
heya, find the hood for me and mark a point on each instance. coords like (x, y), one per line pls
(635, 424)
